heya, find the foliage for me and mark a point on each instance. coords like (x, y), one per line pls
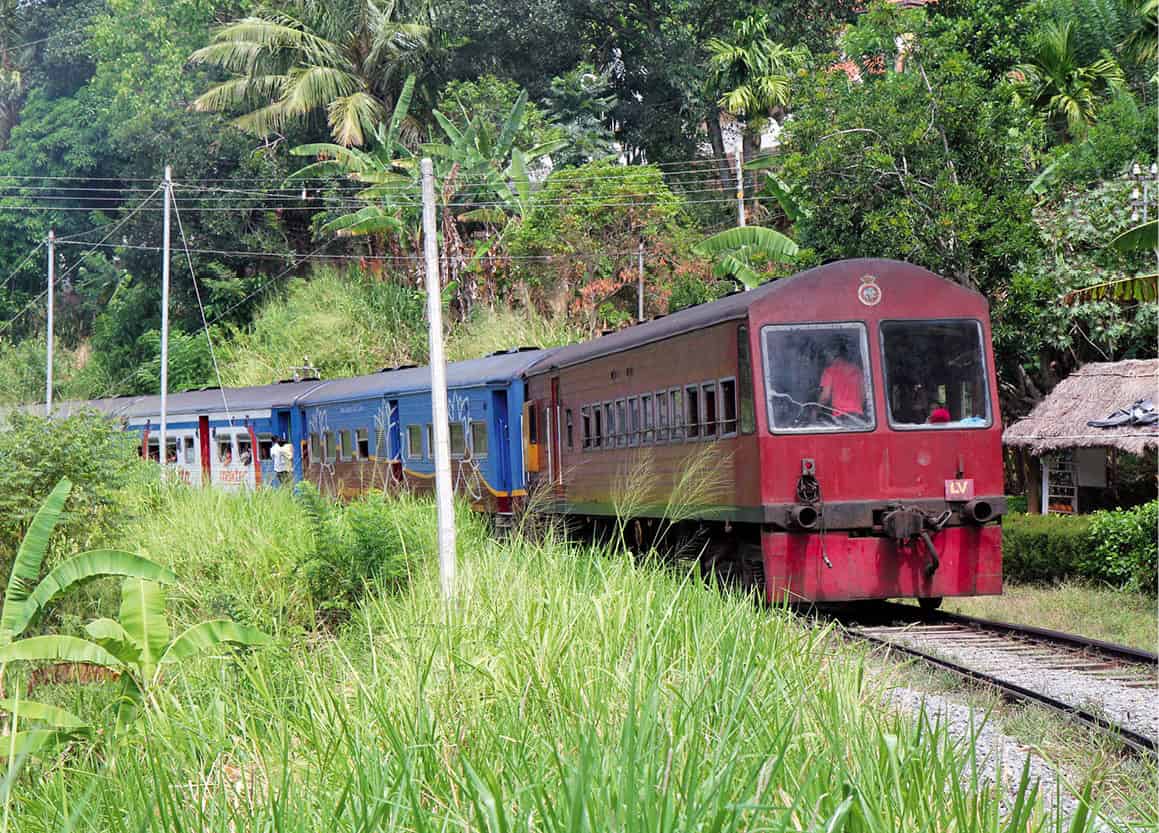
(1123, 548)
(1122, 135)
(582, 236)
(26, 597)
(292, 61)
(1056, 82)
(345, 322)
(368, 544)
(579, 104)
(1044, 548)
(489, 100)
(745, 253)
(751, 73)
(37, 453)
(927, 165)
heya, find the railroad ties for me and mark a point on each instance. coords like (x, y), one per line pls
(1112, 687)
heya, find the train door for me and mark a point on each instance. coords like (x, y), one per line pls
(181, 457)
(394, 440)
(500, 448)
(555, 435)
(203, 450)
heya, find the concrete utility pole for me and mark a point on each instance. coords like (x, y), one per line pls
(51, 299)
(167, 195)
(740, 221)
(439, 411)
(640, 286)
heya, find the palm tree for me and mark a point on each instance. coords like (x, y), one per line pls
(1055, 82)
(347, 57)
(12, 57)
(1142, 43)
(750, 76)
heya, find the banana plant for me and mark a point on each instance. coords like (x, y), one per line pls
(1141, 288)
(137, 650)
(25, 596)
(738, 252)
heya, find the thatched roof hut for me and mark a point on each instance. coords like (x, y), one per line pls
(1092, 392)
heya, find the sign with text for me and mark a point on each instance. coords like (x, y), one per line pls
(960, 489)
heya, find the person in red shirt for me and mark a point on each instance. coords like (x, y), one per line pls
(841, 386)
(940, 413)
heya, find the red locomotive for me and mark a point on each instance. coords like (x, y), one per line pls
(836, 434)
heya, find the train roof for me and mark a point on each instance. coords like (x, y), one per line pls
(729, 308)
(496, 368)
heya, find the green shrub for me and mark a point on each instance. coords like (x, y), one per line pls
(35, 453)
(1123, 547)
(371, 541)
(1044, 547)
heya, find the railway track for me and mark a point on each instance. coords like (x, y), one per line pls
(1112, 687)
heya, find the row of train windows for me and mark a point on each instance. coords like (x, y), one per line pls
(465, 443)
(703, 411)
(346, 444)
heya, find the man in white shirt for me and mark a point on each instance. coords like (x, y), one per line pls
(282, 454)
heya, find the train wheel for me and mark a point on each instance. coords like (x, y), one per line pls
(930, 602)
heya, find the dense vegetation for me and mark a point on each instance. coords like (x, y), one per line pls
(986, 140)
(570, 689)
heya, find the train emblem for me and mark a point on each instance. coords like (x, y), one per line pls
(869, 293)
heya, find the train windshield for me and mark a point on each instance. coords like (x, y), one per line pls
(817, 377)
(935, 374)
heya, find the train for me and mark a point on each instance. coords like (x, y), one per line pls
(829, 437)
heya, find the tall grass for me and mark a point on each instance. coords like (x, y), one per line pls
(569, 689)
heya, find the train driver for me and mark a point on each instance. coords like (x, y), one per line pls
(841, 383)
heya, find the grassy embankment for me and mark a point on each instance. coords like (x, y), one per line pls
(1078, 607)
(570, 690)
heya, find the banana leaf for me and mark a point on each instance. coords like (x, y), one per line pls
(207, 636)
(42, 713)
(30, 556)
(57, 648)
(143, 618)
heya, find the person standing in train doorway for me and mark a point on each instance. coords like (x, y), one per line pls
(283, 456)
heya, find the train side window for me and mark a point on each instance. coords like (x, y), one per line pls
(597, 425)
(676, 415)
(609, 425)
(414, 442)
(570, 429)
(189, 454)
(708, 398)
(692, 412)
(532, 426)
(586, 426)
(345, 447)
(244, 453)
(662, 417)
(329, 448)
(744, 369)
(646, 419)
(728, 407)
(621, 422)
(458, 439)
(634, 421)
(225, 449)
(362, 443)
(315, 447)
(430, 441)
(478, 439)
(380, 449)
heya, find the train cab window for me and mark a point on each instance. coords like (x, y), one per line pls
(692, 411)
(708, 392)
(621, 422)
(817, 377)
(662, 417)
(647, 436)
(414, 442)
(458, 439)
(634, 421)
(478, 439)
(570, 429)
(362, 443)
(728, 407)
(676, 415)
(597, 425)
(586, 426)
(935, 374)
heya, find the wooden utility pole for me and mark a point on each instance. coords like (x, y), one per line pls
(439, 412)
(49, 339)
